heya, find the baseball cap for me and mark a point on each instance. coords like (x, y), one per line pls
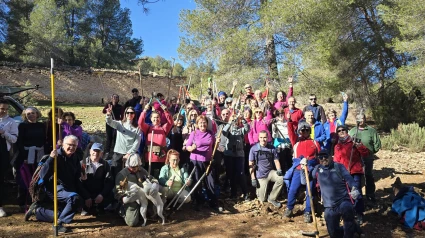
(97, 146)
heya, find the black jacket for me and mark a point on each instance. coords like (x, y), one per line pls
(99, 181)
(68, 174)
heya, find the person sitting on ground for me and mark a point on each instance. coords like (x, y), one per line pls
(338, 201)
(304, 147)
(69, 189)
(172, 178)
(333, 122)
(263, 160)
(349, 153)
(97, 180)
(318, 111)
(134, 173)
(8, 136)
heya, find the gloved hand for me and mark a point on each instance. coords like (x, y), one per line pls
(354, 193)
(154, 190)
(303, 162)
(279, 172)
(254, 183)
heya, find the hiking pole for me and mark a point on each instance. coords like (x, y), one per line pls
(315, 233)
(352, 148)
(206, 171)
(180, 192)
(55, 161)
(150, 154)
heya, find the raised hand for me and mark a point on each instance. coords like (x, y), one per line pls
(235, 83)
(109, 110)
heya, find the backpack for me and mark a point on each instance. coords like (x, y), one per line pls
(35, 189)
(338, 172)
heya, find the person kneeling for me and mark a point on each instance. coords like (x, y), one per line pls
(97, 181)
(134, 173)
(338, 201)
(172, 178)
(262, 159)
(69, 187)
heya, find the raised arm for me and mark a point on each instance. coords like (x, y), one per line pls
(141, 123)
(169, 124)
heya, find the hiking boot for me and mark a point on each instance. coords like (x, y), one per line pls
(288, 213)
(274, 202)
(31, 211)
(359, 219)
(62, 229)
(307, 218)
(2, 212)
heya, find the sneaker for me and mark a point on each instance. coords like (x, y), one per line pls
(31, 211)
(62, 229)
(246, 198)
(307, 218)
(288, 213)
(84, 213)
(274, 202)
(2, 212)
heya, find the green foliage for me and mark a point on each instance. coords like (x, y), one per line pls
(411, 136)
(94, 33)
(26, 96)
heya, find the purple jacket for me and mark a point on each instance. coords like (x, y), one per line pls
(204, 145)
(72, 130)
(281, 104)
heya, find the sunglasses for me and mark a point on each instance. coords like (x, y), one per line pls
(341, 130)
(313, 99)
(189, 108)
(303, 130)
(193, 114)
(322, 157)
(248, 88)
(129, 113)
(30, 113)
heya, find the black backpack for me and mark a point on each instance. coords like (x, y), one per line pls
(35, 189)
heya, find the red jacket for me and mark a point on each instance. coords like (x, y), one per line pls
(308, 148)
(296, 114)
(159, 135)
(342, 155)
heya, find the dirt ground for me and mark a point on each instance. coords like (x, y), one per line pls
(239, 219)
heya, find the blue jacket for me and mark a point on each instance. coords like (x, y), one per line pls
(333, 185)
(337, 122)
(409, 203)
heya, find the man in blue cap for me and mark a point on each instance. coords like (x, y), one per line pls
(338, 199)
(97, 181)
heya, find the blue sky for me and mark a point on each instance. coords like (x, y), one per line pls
(159, 28)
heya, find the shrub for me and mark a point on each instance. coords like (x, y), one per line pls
(411, 136)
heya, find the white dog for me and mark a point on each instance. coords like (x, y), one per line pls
(142, 196)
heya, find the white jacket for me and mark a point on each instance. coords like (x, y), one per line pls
(10, 128)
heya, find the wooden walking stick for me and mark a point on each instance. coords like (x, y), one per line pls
(150, 154)
(315, 233)
(206, 171)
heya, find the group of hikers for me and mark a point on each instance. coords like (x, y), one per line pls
(166, 145)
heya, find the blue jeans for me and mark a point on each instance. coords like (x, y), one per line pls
(293, 191)
(359, 207)
(68, 203)
(333, 216)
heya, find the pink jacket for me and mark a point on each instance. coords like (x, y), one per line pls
(159, 135)
(260, 125)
